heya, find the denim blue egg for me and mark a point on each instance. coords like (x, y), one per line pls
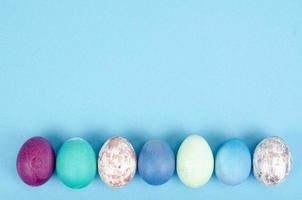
(233, 162)
(156, 162)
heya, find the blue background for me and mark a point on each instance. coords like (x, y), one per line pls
(150, 69)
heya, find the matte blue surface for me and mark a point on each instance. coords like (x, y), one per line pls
(156, 162)
(233, 162)
(150, 69)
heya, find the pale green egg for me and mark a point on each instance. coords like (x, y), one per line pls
(195, 162)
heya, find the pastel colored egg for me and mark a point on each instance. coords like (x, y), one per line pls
(233, 162)
(272, 161)
(35, 161)
(76, 163)
(117, 162)
(195, 161)
(156, 163)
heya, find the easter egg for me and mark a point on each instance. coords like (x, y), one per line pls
(156, 163)
(195, 161)
(76, 163)
(272, 161)
(35, 161)
(233, 162)
(117, 162)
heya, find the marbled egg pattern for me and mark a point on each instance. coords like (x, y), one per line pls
(35, 161)
(272, 161)
(117, 162)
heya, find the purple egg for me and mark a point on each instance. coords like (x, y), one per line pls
(35, 161)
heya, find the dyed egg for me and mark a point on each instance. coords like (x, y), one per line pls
(156, 163)
(117, 162)
(35, 161)
(195, 161)
(76, 163)
(272, 161)
(233, 162)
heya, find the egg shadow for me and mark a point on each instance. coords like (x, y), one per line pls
(137, 138)
(56, 138)
(174, 138)
(96, 138)
(252, 138)
(215, 139)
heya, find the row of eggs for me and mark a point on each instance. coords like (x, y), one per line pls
(75, 162)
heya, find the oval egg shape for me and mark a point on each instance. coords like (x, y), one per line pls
(117, 162)
(76, 163)
(272, 161)
(233, 162)
(156, 162)
(195, 161)
(35, 161)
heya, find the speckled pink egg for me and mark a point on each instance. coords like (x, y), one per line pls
(117, 162)
(35, 162)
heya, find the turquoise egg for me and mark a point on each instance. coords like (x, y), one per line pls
(233, 162)
(76, 163)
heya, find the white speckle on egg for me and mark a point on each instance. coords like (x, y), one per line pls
(117, 162)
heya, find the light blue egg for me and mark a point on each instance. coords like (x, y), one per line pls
(233, 162)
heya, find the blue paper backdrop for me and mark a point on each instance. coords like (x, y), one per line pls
(150, 69)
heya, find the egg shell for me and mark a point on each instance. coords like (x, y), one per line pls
(35, 161)
(117, 162)
(156, 163)
(272, 161)
(76, 163)
(233, 162)
(195, 161)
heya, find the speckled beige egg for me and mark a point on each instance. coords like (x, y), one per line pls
(117, 162)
